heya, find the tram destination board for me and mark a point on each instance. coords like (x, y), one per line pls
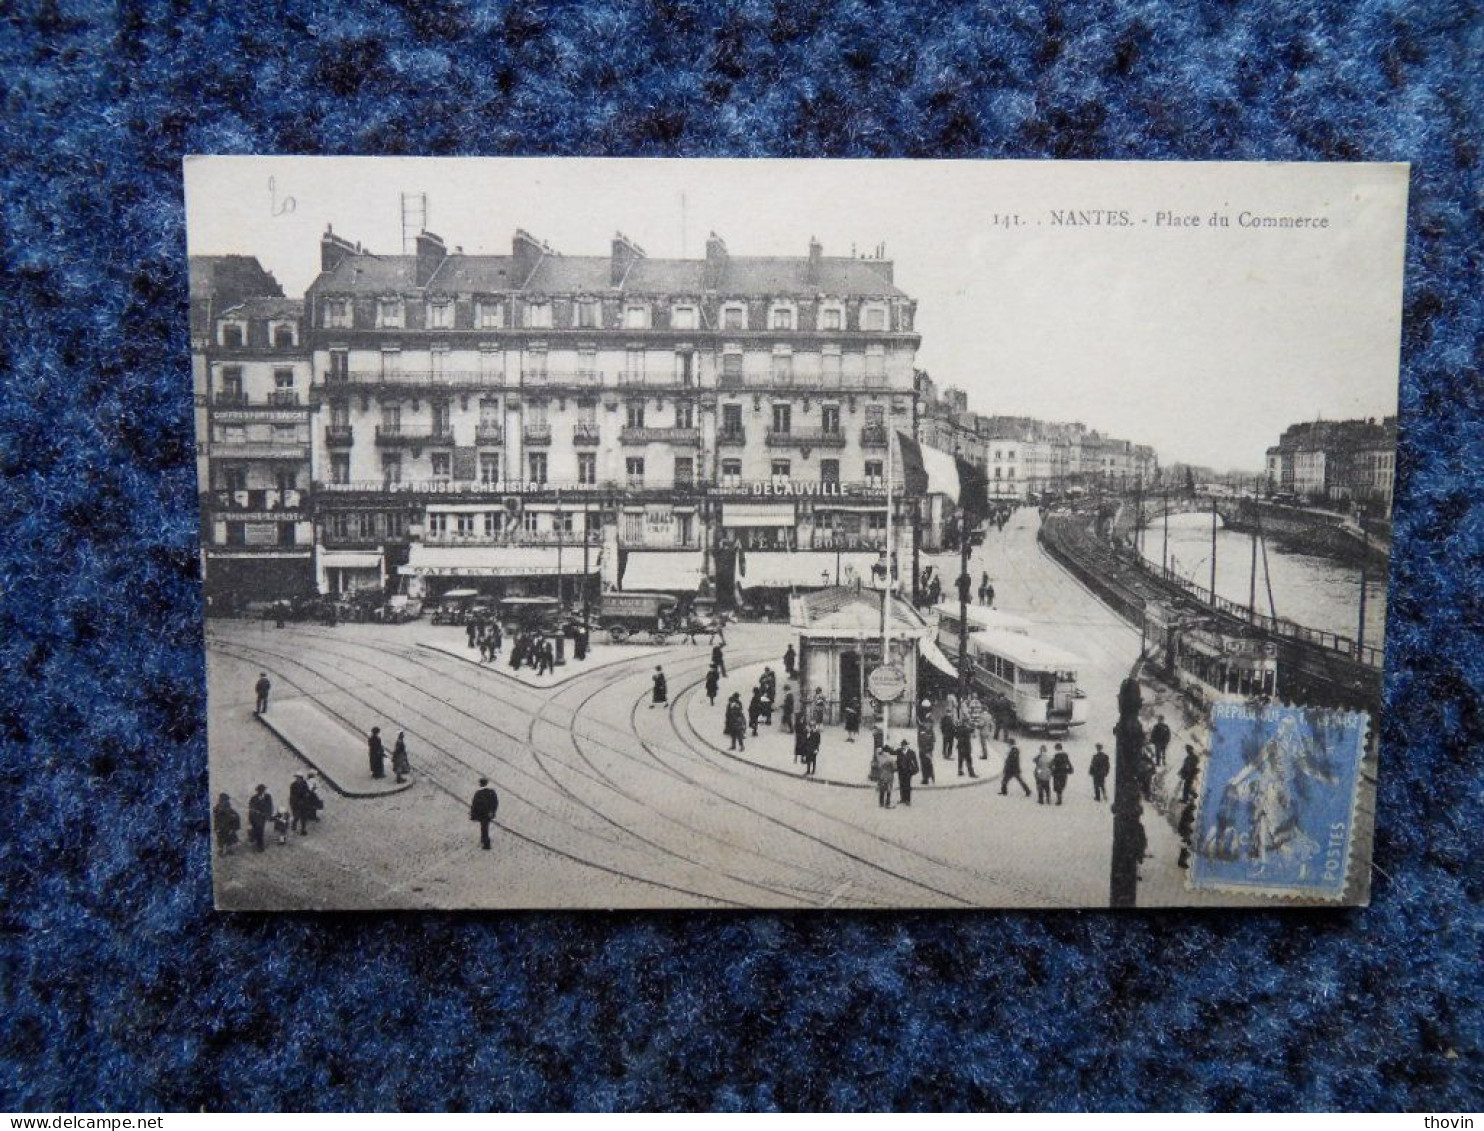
(548, 571)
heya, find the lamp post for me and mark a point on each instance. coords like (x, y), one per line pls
(1129, 839)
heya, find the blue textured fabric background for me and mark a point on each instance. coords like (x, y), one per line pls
(121, 988)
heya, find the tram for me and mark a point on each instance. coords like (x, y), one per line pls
(1036, 680)
(1209, 664)
(979, 618)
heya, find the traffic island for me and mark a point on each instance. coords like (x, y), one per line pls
(330, 746)
(455, 645)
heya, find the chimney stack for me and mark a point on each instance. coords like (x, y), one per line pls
(816, 253)
(716, 261)
(332, 249)
(527, 251)
(625, 251)
(430, 254)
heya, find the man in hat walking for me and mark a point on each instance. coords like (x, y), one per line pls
(259, 813)
(1160, 737)
(299, 805)
(483, 808)
(1190, 769)
(261, 688)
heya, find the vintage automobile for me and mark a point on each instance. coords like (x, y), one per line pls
(533, 614)
(455, 605)
(637, 616)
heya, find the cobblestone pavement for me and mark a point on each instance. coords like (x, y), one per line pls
(606, 801)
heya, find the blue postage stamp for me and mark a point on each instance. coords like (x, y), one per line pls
(1277, 800)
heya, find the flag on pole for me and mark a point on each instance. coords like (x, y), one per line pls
(928, 471)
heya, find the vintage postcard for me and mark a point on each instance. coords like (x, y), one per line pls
(793, 534)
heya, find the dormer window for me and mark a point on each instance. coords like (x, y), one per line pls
(284, 336)
(234, 335)
(490, 314)
(589, 314)
(781, 318)
(734, 317)
(873, 318)
(683, 318)
(440, 314)
(831, 318)
(636, 317)
(538, 315)
(389, 313)
(337, 313)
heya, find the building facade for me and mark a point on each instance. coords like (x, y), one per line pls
(1349, 462)
(536, 422)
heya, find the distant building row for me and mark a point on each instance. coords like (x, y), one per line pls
(1336, 461)
(1023, 456)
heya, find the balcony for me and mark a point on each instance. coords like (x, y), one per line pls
(264, 499)
(229, 398)
(339, 435)
(489, 434)
(397, 435)
(731, 438)
(685, 437)
(586, 435)
(652, 381)
(537, 435)
(259, 449)
(283, 398)
(805, 438)
(873, 436)
(575, 379)
(415, 379)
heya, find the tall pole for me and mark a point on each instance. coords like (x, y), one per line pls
(587, 525)
(963, 612)
(1128, 830)
(1213, 551)
(561, 589)
(1364, 563)
(916, 506)
(1164, 550)
(886, 580)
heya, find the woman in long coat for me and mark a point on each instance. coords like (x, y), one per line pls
(661, 690)
(401, 764)
(735, 727)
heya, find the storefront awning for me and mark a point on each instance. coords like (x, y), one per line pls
(350, 559)
(497, 561)
(663, 571)
(808, 569)
(757, 514)
(930, 652)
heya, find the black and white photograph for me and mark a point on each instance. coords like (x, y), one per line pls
(599, 533)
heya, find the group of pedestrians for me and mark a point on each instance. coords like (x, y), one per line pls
(305, 804)
(376, 752)
(487, 637)
(895, 767)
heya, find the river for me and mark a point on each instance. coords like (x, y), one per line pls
(1315, 592)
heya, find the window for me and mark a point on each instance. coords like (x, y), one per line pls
(734, 317)
(437, 525)
(782, 318)
(489, 468)
(493, 524)
(731, 419)
(537, 464)
(783, 367)
(587, 468)
(831, 318)
(873, 318)
(587, 363)
(875, 362)
(529, 522)
(587, 414)
(782, 418)
(536, 415)
(538, 315)
(286, 434)
(829, 418)
(234, 479)
(340, 468)
(683, 318)
(283, 380)
(337, 313)
(636, 317)
(781, 469)
(339, 366)
(634, 471)
(633, 367)
(633, 529)
(442, 465)
(634, 414)
(534, 364)
(283, 336)
(731, 472)
(440, 314)
(389, 313)
(489, 413)
(391, 364)
(232, 382)
(684, 529)
(875, 416)
(731, 367)
(685, 368)
(829, 366)
(829, 471)
(589, 314)
(233, 334)
(685, 415)
(685, 471)
(391, 469)
(463, 524)
(874, 474)
(391, 418)
(489, 314)
(441, 424)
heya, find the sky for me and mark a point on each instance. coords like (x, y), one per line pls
(1058, 290)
